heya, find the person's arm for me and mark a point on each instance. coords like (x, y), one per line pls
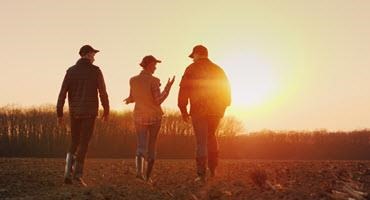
(130, 98)
(159, 96)
(103, 93)
(62, 95)
(183, 100)
(183, 97)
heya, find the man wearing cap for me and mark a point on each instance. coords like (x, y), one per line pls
(145, 93)
(82, 82)
(207, 88)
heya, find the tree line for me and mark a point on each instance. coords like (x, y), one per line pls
(33, 132)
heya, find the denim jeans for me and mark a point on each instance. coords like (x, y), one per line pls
(81, 132)
(146, 139)
(207, 146)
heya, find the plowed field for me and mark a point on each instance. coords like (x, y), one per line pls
(174, 179)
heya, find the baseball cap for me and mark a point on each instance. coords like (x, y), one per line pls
(87, 49)
(149, 59)
(200, 50)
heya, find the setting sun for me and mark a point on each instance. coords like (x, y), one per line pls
(284, 60)
(252, 77)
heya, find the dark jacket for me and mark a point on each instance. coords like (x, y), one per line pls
(207, 88)
(82, 83)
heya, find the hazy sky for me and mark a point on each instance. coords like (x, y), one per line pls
(292, 64)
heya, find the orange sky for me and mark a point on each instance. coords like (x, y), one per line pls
(292, 64)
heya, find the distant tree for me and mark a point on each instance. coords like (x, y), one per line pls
(34, 132)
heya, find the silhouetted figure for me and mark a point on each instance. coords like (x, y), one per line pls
(82, 83)
(207, 88)
(145, 92)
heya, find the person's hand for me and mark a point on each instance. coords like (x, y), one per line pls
(126, 101)
(105, 117)
(60, 121)
(170, 83)
(186, 118)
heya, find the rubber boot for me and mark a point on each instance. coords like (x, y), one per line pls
(212, 163)
(77, 173)
(139, 161)
(201, 169)
(68, 169)
(149, 169)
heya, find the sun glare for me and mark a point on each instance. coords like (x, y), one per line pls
(253, 80)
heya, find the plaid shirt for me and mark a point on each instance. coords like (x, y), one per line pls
(158, 97)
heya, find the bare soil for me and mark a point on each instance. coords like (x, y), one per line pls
(34, 178)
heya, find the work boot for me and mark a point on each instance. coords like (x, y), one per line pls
(201, 169)
(68, 169)
(201, 166)
(139, 161)
(200, 179)
(212, 163)
(212, 168)
(77, 173)
(149, 169)
(80, 181)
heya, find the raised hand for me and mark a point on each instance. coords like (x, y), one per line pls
(128, 100)
(170, 83)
